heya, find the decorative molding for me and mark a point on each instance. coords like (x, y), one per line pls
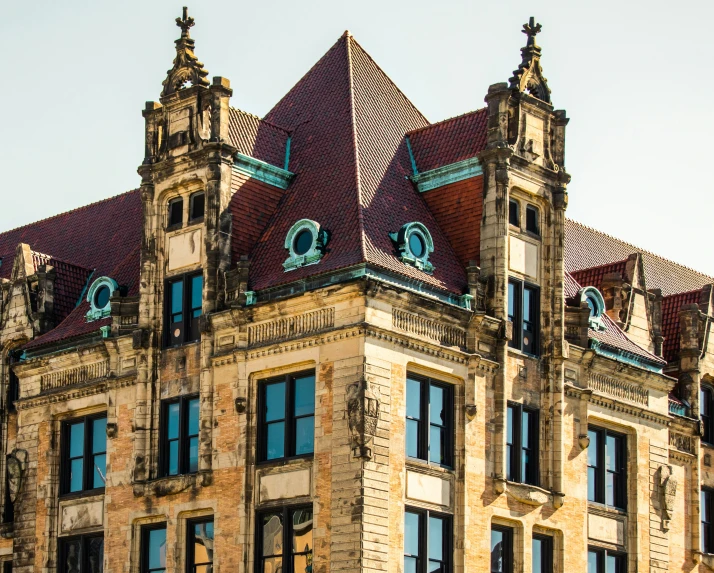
(618, 389)
(262, 171)
(77, 375)
(681, 442)
(362, 416)
(187, 70)
(447, 174)
(616, 406)
(528, 494)
(291, 326)
(428, 328)
(319, 239)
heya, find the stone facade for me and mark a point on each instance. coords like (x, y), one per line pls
(363, 336)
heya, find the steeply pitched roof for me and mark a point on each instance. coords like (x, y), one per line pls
(70, 282)
(347, 122)
(586, 248)
(449, 141)
(671, 305)
(594, 276)
(258, 138)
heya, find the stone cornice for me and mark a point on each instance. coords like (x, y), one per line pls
(66, 393)
(447, 174)
(598, 399)
(262, 171)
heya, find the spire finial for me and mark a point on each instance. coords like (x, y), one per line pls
(530, 29)
(529, 75)
(186, 23)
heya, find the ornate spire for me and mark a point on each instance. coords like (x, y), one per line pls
(529, 75)
(187, 70)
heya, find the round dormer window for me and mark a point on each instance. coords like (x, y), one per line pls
(305, 242)
(414, 243)
(596, 303)
(98, 297)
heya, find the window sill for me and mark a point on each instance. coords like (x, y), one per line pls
(430, 466)
(195, 221)
(80, 494)
(182, 345)
(175, 227)
(527, 493)
(278, 462)
(520, 353)
(170, 485)
(602, 509)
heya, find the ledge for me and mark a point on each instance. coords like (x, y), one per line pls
(447, 174)
(172, 484)
(263, 171)
(528, 494)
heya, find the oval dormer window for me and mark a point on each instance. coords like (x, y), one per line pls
(596, 303)
(305, 242)
(414, 243)
(99, 296)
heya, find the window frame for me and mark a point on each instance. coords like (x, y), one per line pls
(706, 499)
(547, 559)
(514, 202)
(191, 218)
(602, 555)
(190, 323)
(190, 542)
(514, 313)
(184, 437)
(620, 491)
(144, 533)
(447, 543)
(87, 455)
(289, 419)
(287, 512)
(707, 418)
(62, 547)
(424, 421)
(506, 550)
(13, 381)
(169, 211)
(536, 214)
(515, 457)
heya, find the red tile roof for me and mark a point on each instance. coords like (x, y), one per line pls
(449, 141)
(351, 161)
(671, 305)
(586, 248)
(593, 276)
(70, 283)
(258, 138)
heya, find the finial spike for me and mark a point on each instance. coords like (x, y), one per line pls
(185, 23)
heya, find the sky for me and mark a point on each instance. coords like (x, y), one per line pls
(634, 76)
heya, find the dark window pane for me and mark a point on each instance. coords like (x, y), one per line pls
(304, 395)
(593, 448)
(532, 219)
(176, 304)
(437, 446)
(512, 302)
(302, 242)
(193, 417)
(100, 471)
(176, 212)
(513, 213)
(411, 533)
(72, 556)
(414, 399)
(76, 440)
(157, 548)
(172, 420)
(497, 554)
(416, 245)
(76, 474)
(611, 453)
(196, 295)
(436, 406)
(198, 204)
(173, 465)
(591, 485)
(274, 401)
(101, 297)
(412, 438)
(272, 535)
(193, 455)
(436, 538)
(592, 562)
(276, 440)
(95, 554)
(99, 435)
(304, 435)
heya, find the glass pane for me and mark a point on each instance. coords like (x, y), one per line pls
(527, 305)
(76, 440)
(193, 417)
(611, 453)
(202, 543)
(176, 303)
(591, 484)
(173, 458)
(172, 421)
(302, 532)
(611, 564)
(305, 435)
(272, 534)
(304, 395)
(705, 506)
(196, 293)
(537, 556)
(95, 554)
(414, 399)
(509, 425)
(193, 455)
(198, 202)
(274, 401)
(99, 435)
(436, 538)
(610, 488)
(436, 444)
(416, 245)
(412, 438)
(497, 551)
(592, 562)
(525, 430)
(410, 564)
(593, 448)
(509, 470)
(411, 533)
(157, 548)
(437, 415)
(76, 471)
(273, 565)
(435, 567)
(100, 471)
(276, 441)
(72, 556)
(511, 302)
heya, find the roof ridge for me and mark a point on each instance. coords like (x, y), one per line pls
(270, 123)
(355, 145)
(639, 249)
(447, 120)
(80, 208)
(600, 266)
(683, 293)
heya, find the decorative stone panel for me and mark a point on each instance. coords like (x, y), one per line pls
(428, 488)
(285, 485)
(427, 328)
(618, 389)
(76, 375)
(291, 326)
(81, 514)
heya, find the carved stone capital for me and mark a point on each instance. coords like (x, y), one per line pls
(363, 409)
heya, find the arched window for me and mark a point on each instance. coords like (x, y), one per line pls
(197, 207)
(514, 214)
(175, 212)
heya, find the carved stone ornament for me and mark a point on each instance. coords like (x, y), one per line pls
(363, 415)
(187, 70)
(528, 494)
(668, 491)
(16, 466)
(529, 78)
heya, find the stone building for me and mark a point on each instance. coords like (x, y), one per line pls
(341, 338)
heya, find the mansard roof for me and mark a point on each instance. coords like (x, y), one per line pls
(351, 162)
(595, 275)
(671, 305)
(258, 138)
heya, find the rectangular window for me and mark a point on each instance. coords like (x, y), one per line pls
(153, 548)
(501, 549)
(175, 212)
(522, 444)
(705, 410)
(513, 215)
(532, 220)
(8, 515)
(197, 207)
(7, 567)
(284, 540)
(84, 454)
(287, 416)
(430, 420)
(524, 314)
(607, 459)
(542, 554)
(184, 306)
(179, 436)
(13, 384)
(427, 542)
(199, 557)
(603, 561)
(83, 554)
(707, 500)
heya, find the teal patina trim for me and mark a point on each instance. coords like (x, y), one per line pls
(452, 173)
(287, 154)
(84, 290)
(411, 156)
(263, 171)
(624, 356)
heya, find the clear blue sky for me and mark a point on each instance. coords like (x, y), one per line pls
(634, 76)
